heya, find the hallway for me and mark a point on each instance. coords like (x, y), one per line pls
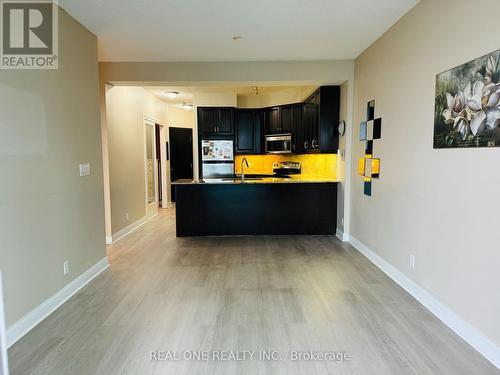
(281, 294)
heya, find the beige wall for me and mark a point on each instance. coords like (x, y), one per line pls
(441, 205)
(178, 118)
(280, 97)
(341, 162)
(195, 74)
(49, 123)
(215, 99)
(3, 336)
(125, 110)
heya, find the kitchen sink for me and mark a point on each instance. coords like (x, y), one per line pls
(239, 179)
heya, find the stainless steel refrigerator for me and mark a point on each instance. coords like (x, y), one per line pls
(217, 157)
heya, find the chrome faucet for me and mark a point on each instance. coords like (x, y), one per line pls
(243, 162)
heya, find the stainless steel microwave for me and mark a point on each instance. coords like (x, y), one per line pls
(279, 144)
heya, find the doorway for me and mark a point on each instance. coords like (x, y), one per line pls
(151, 169)
(181, 155)
(159, 166)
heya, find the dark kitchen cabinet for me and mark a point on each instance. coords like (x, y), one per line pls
(288, 118)
(207, 120)
(225, 121)
(302, 136)
(213, 121)
(318, 130)
(308, 132)
(248, 130)
(329, 118)
(291, 119)
(314, 107)
(313, 124)
(272, 121)
(282, 119)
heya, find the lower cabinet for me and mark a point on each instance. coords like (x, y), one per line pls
(256, 209)
(248, 126)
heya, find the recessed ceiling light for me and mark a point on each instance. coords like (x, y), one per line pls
(171, 94)
(186, 106)
(237, 38)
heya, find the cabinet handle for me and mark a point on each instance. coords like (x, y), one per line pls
(306, 145)
(314, 143)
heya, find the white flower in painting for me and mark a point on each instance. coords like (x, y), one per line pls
(462, 126)
(484, 104)
(456, 105)
(457, 113)
(477, 107)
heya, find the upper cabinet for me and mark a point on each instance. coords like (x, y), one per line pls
(282, 119)
(329, 118)
(291, 117)
(207, 120)
(272, 121)
(225, 121)
(213, 121)
(318, 130)
(313, 124)
(309, 132)
(248, 131)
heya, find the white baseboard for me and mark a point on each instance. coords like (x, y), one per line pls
(39, 313)
(344, 237)
(127, 230)
(466, 331)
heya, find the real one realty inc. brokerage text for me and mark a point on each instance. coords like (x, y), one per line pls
(249, 355)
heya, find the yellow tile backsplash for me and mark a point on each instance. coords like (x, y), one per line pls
(313, 165)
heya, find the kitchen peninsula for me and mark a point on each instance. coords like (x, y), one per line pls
(267, 206)
(287, 156)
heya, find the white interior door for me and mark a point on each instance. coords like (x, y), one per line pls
(151, 168)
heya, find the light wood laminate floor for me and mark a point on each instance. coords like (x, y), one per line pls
(281, 294)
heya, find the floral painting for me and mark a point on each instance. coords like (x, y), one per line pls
(467, 107)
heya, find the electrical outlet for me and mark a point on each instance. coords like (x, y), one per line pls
(66, 267)
(412, 261)
(84, 170)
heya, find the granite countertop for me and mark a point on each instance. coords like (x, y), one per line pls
(297, 179)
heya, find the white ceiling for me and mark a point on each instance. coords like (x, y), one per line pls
(202, 30)
(186, 93)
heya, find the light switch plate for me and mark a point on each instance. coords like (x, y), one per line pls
(84, 170)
